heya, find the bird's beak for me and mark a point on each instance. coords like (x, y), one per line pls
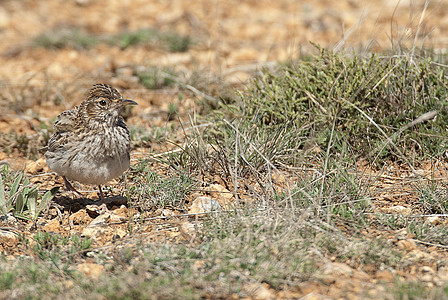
(125, 102)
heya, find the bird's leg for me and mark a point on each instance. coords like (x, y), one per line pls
(101, 195)
(69, 187)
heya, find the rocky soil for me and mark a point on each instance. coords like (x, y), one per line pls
(230, 41)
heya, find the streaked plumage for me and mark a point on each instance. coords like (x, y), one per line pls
(92, 143)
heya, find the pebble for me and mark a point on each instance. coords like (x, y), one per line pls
(204, 205)
(34, 167)
(400, 209)
(407, 245)
(91, 270)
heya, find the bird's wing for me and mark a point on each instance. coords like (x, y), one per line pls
(65, 121)
(64, 125)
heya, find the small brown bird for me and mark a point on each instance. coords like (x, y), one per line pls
(92, 143)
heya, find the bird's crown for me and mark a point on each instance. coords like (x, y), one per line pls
(103, 90)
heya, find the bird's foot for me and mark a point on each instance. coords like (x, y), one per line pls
(70, 187)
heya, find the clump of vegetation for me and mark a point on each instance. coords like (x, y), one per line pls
(170, 41)
(433, 197)
(365, 99)
(130, 38)
(73, 37)
(70, 37)
(21, 197)
(58, 249)
(175, 42)
(153, 191)
(155, 78)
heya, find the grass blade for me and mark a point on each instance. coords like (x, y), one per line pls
(31, 204)
(3, 206)
(20, 204)
(15, 185)
(47, 197)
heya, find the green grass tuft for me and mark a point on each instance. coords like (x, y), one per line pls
(334, 87)
(155, 78)
(60, 38)
(153, 191)
(76, 38)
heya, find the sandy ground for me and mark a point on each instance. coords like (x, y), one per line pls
(231, 39)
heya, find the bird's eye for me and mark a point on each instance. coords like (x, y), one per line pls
(103, 103)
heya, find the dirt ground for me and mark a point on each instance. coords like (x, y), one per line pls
(231, 39)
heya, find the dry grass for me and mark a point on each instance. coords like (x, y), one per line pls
(309, 151)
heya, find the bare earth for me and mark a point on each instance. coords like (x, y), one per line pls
(231, 40)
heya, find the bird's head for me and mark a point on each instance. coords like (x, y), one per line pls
(104, 104)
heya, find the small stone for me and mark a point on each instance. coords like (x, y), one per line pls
(114, 218)
(34, 167)
(385, 275)
(68, 284)
(418, 255)
(279, 178)
(8, 237)
(245, 54)
(9, 220)
(125, 71)
(442, 273)
(91, 270)
(5, 18)
(400, 209)
(427, 278)
(435, 220)
(338, 269)
(189, 229)
(261, 291)
(82, 2)
(80, 217)
(119, 233)
(204, 205)
(427, 269)
(167, 213)
(418, 172)
(54, 225)
(199, 264)
(221, 194)
(122, 211)
(173, 59)
(56, 69)
(94, 210)
(407, 245)
(96, 228)
(218, 191)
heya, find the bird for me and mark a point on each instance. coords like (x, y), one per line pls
(91, 143)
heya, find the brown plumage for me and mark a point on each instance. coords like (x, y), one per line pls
(92, 143)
